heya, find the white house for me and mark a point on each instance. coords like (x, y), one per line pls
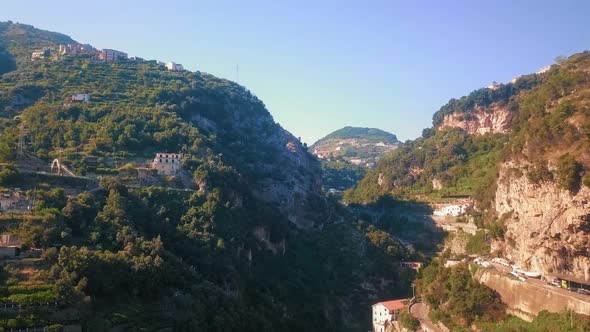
(173, 66)
(452, 210)
(167, 163)
(384, 313)
(40, 53)
(81, 97)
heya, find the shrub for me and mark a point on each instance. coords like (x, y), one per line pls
(477, 244)
(568, 173)
(407, 320)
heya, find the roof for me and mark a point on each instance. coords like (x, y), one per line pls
(393, 304)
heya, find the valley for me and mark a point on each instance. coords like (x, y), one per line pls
(137, 195)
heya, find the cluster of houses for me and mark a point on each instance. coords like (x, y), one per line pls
(106, 55)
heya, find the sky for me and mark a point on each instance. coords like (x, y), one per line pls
(322, 65)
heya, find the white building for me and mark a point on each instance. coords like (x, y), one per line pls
(73, 49)
(452, 210)
(40, 53)
(81, 97)
(111, 55)
(167, 163)
(173, 66)
(384, 313)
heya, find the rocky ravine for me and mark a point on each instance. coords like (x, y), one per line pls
(548, 229)
(495, 119)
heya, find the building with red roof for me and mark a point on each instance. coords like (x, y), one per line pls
(386, 312)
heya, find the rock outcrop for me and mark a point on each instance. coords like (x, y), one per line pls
(495, 119)
(548, 229)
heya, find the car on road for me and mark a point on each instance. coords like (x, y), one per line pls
(583, 291)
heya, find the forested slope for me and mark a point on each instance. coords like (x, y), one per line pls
(252, 246)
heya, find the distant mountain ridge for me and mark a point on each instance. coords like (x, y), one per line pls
(364, 133)
(347, 153)
(356, 145)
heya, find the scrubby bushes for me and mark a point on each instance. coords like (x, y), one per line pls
(456, 298)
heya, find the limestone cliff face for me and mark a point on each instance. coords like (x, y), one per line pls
(549, 228)
(495, 119)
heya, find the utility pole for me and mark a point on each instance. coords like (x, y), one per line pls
(20, 149)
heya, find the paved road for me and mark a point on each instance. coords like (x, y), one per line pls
(542, 284)
(420, 312)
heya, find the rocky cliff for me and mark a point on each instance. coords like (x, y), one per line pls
(495, 119)
(549, 228)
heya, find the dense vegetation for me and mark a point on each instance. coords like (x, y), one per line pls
(348, 153)
(547, 144)
(456, 299)
(460, 302)
(501, 95)
(148, 258)
(340, 175)
(548, 133)
(465, 164)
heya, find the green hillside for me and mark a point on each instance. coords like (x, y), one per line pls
(550, 127)
(346, 154)
(235, 249)
(368, 134)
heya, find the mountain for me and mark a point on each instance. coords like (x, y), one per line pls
(520, 152)
(239, 237)
(347, 153)
(356, 145)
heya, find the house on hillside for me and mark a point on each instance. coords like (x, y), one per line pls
(73, 49)
(14, 200)
(111, 55)
(173, 66)
(385, 313)
(44, 53)
(167, 163)
(453, 210)
(80, 98)
(9, 245)
(412, 265)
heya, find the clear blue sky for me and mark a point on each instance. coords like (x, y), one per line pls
(320, 65)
